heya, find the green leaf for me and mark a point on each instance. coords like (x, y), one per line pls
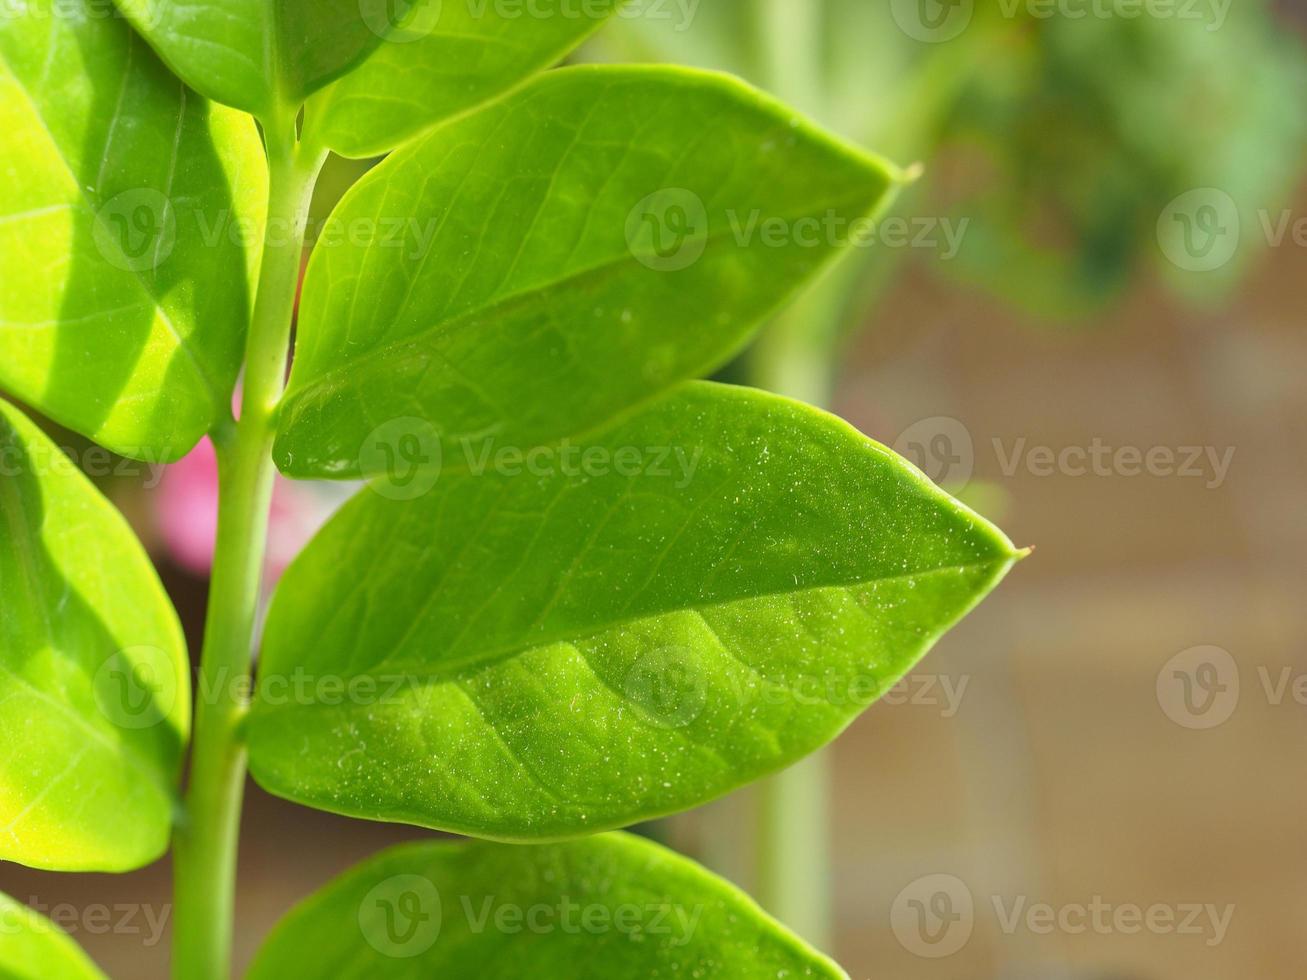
(262, 56)
(613, 907)
(34, 948)
(557, 257)
(612, 629)
(127, 319)
(443, 59)
(94, 680)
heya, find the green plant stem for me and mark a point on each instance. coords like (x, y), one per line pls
(206, 844)
(794, 861)
(790, 45)
(795, 357)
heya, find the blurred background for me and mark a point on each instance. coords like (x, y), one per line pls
(1086, 319)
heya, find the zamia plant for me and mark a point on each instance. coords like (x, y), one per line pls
(579, 590)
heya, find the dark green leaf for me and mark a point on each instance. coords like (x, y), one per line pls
(262, 55)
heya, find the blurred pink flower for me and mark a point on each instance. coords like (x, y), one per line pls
(186, 513)
(186, 508)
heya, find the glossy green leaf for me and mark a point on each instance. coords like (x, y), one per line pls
(612, 629)
(613, 907)
(531, 269)
(125, 299)
(262, 55)
(34, 948)
(94, 680)
(443, 59)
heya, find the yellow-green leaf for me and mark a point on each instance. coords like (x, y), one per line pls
(126, 206)
(94, 679)
(34, 948)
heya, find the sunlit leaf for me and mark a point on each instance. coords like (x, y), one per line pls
(123, 232)
(34, 948)
(94, 680)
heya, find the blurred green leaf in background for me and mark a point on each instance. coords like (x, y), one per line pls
(1060, 140)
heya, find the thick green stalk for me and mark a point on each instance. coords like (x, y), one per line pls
(206, 843)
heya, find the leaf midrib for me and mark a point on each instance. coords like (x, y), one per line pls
(449, 672)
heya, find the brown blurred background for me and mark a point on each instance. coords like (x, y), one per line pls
(1076, 745)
